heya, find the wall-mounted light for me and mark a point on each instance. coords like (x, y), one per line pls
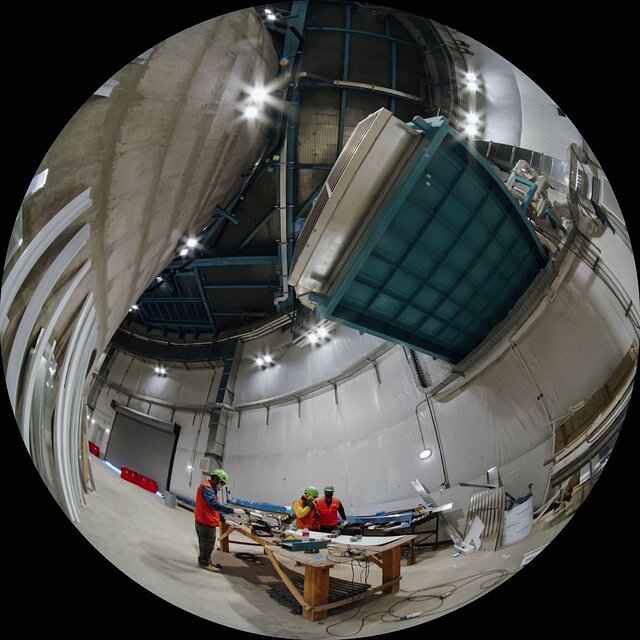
(192, 242)
(93, 420)
(426, 453)
(189, 467)
(265, 361)
(107, 430)
(160, 370)
(184, 252)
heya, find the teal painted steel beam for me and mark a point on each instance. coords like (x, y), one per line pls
(225, 214)
(165, 299)
(254, 232)
(394, 62)
(358, 32)
(345, 76)
(241, 285)
(224, 261)
(205, 300)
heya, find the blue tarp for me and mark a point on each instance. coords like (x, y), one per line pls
(263, 506)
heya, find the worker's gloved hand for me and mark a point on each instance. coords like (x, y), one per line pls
(316, 515)
(238, 512)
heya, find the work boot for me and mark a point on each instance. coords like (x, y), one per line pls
(209, 567)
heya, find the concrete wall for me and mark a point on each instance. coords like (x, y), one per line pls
(136, 385)
(158, 154)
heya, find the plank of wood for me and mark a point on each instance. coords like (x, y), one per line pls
(316, 591)
(370, 592)
(287, 581)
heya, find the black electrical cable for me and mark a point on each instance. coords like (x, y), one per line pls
(493, 578)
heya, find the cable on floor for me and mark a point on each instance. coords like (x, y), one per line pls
(490, 579)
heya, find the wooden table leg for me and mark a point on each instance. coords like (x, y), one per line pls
(224, 539)
(391, 568)
(316, 591)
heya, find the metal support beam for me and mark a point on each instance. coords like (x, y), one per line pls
(225, 214)
(368, 34)
(225, 261)
(254, 232)
(345, 76)
(205, 300)
(241, 285)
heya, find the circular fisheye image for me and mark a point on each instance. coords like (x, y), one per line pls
(319, 319)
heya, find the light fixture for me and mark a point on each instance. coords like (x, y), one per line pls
(473, 118)
(184, 252)
(189, 467)
(471, 77)
(191, 243)
(93, 420)
(314, 338)
(268, 11)
(258, 94)
(426, 453)
(268, 359)
(251, 112)
(107, 430)
(471, 130)
(322, 332)
(271, 16)
(163, 371)
(135, 307)
(260, 362)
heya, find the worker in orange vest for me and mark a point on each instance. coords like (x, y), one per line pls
(305, 510)
(208, 514)
(329, 508)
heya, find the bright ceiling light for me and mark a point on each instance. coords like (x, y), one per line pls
(93, 421)
(163, 371)
(471, 130)
(425, 454)
(268, 11)
(313, 338)
(472, 86)
(268, 359)
(258, 94)
(184, 252)
(157, 369)
(471, 77)
(135, 307)
(108, 430)
(270, 16)
(191, 243)
(473, 118)
(260, 362)
(251, 112)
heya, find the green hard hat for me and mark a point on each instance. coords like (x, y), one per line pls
(329, 487)
(312, 491)
(219, 473)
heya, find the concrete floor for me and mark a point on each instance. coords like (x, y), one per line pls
(156, 546)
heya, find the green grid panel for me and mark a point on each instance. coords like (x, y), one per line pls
(448, 254)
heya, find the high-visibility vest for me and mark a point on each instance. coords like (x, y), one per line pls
(203, 512)
(309, 521)
(328, 514)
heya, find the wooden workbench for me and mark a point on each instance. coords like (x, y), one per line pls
(315, 599)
